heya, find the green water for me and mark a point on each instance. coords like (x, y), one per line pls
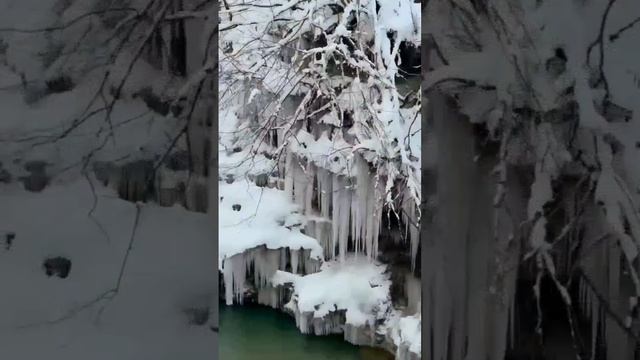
(260, 333)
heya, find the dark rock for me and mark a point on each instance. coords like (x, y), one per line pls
(153, 101)
(557, 64)
(5, 176)
(262, 180)
(35, 182)
(36, 166)
(227, 48)
(411, 59)
(103, 170)
(178, 161)
(33, 93)
(59, 84)
(136, 180)
(58, 266)
(613, 112)
(8, 240)
(38, 178)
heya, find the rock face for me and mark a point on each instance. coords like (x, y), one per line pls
(136, 180)
(144, 180)
(38, 179)
(9, 238)
(5, 175)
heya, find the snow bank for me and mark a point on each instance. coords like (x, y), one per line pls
(250, 216)
(406, 333)
(357, 285)
(169, 270)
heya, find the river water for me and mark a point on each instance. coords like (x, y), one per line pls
(260, 333)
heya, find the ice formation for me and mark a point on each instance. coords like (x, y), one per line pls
(339, 145)
(540, 118)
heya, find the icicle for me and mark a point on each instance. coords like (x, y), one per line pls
(311, 229)
(269, 296)
(289, 175)
(375, 219)
(341, 216)
(412, 230)
(588, 302)
(325, 189)
(362, 198)
(335, 217)
(595, 321)
(234, 271)
(310, 177)
(512, 323)
(344, 219)
(300, 183)
(355, 231)
(294, 261)
(413, 290)
(283, 259)
(581, 296)
(228, 281)
(615, 336)
(321, 229)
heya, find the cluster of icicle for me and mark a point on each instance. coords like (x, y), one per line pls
(349, 208)
(590, 307)
(606, 292)
(264, 263)
(332, 323)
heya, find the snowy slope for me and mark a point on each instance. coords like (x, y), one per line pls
(250, 216)
(167, 272)
(129, 294)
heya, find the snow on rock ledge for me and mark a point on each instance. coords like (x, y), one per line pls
(250, 216)
(406, 332)
(364, 290)
(352, 297)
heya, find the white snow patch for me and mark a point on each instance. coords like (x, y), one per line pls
(356, 285)
(261, 219)
(169, 268)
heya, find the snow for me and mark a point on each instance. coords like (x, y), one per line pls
(364, 289)
(334, 155)
(262, 219)
(334, 147)
(406, 332)
(168, 270)
(514, 57)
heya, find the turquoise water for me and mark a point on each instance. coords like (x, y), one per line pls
(260, 333)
